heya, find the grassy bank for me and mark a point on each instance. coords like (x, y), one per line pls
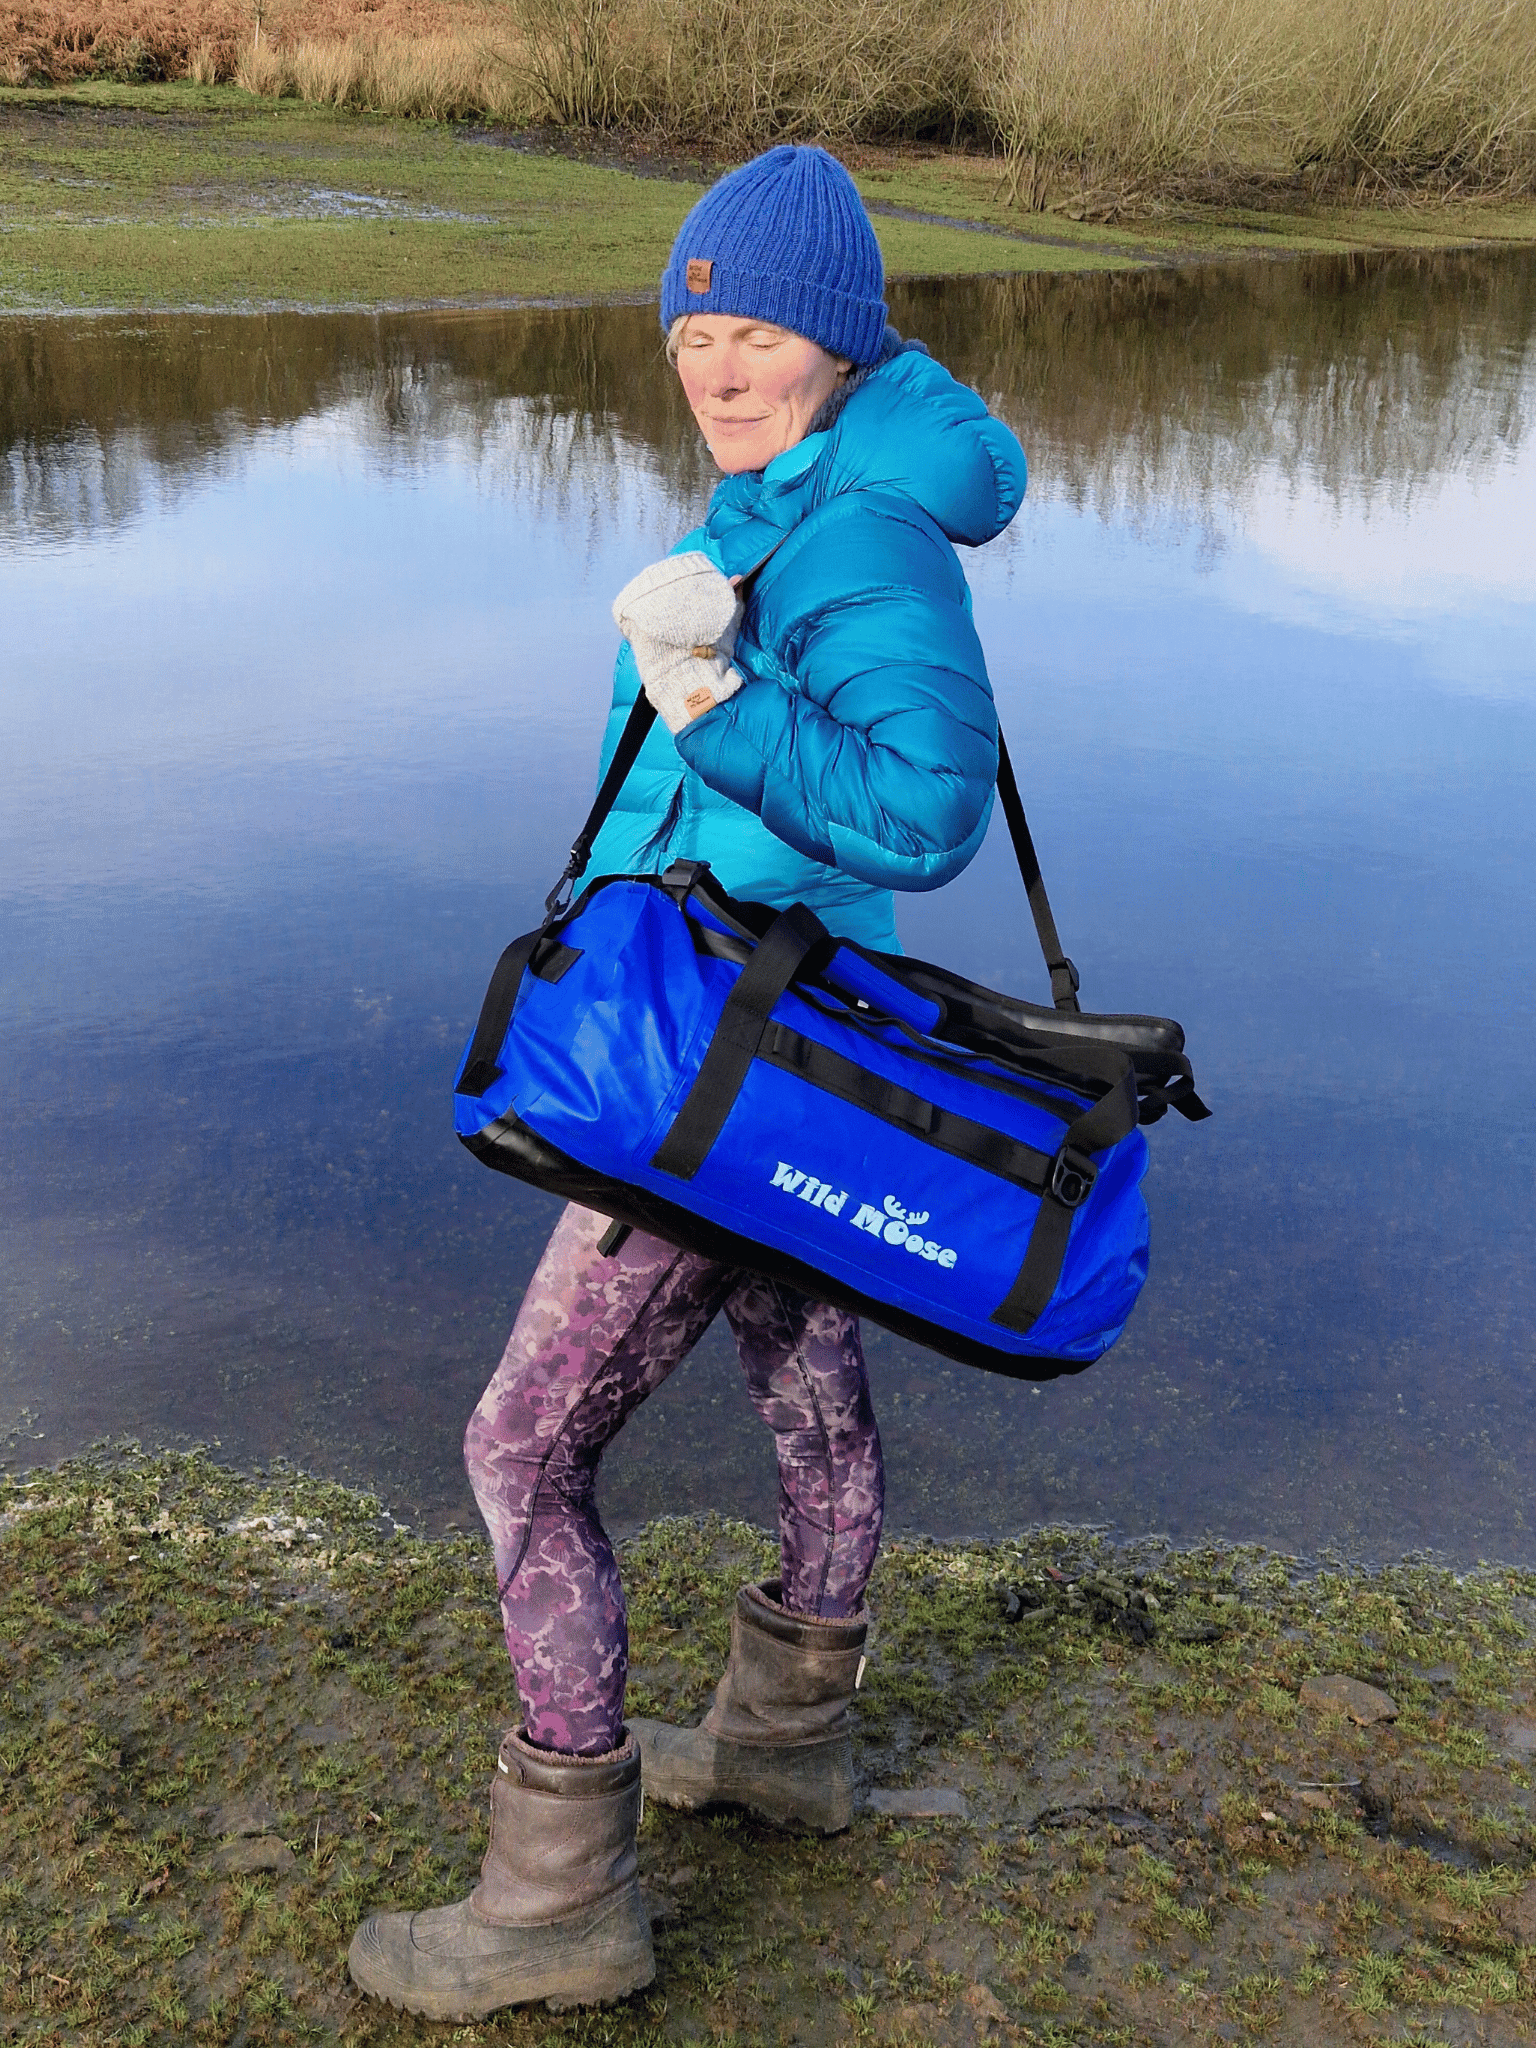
(187, 195)
(1102, 104)
(236, 1714)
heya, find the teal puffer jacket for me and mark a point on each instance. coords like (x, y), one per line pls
(860, 754)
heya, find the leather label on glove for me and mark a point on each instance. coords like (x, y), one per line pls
(700, 271)
(698, 701)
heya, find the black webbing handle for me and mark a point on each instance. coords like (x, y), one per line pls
(480, 1067)
(1064, 982)
(794, 937)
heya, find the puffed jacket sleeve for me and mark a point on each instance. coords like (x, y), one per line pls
(865, 735)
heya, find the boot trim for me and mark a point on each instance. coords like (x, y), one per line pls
(761, 1607)
(568, 1777)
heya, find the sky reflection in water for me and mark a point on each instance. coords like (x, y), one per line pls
(304, 656)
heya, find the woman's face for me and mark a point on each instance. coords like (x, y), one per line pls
(754, 388)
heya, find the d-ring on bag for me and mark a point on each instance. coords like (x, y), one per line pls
(959, 1166)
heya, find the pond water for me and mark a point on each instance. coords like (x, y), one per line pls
(304, 650)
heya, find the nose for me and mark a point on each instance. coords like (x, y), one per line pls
(725, 375)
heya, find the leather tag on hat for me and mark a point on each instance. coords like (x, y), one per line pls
(700, 270)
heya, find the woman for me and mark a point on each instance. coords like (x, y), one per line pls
(827, 740)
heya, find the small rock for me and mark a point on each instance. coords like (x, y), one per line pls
(682, 1877)
(241, 1858)
(1318, 1801)
(985, 2003)
(1015, 1602)
(1363, 1703)
(928, 1802)
(1520, 1738)
(1441, 1676)
(251, 1817)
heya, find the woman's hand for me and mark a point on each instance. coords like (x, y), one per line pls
(680, 617)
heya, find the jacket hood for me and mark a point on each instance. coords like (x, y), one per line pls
(909, 428)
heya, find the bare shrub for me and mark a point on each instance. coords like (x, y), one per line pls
(567, 59)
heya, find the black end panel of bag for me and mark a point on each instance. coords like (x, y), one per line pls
(1004, 1026)
(511, 1147)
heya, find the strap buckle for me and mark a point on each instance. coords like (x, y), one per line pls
(558, 901)
(1073, 1174)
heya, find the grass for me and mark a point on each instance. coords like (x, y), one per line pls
(183, 195)
(201, 1670)
(200, 196)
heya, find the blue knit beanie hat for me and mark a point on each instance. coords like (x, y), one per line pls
(785, 239)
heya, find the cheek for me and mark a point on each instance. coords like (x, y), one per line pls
(779, 384)
(692, 380)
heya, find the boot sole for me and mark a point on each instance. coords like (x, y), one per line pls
(592, 1977)
(786, 1785)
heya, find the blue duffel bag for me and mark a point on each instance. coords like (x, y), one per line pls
(961, 1167)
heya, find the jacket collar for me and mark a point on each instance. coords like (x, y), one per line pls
(750, 514)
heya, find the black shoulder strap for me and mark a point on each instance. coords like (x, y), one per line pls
(642, 716)
(1064, 982)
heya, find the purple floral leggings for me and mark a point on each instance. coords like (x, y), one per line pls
(593, 1337)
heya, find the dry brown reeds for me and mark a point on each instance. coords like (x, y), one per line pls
(1392, 91)
(451, 76)
(1096, 104)
(55, 41)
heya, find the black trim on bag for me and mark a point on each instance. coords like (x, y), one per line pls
(1073, 1175)
(551, 959)
(511, 1147)
(947, 1131)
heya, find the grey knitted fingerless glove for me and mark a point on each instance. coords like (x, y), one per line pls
(680, 618)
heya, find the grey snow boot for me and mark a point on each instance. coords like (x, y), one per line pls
(557, 1912)
(776, 1739)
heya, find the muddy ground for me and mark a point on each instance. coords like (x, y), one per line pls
(237, 1713)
